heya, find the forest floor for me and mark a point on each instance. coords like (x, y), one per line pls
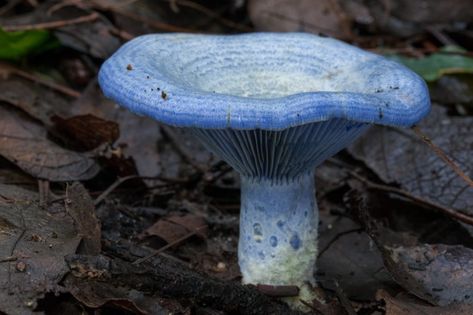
(106, 212)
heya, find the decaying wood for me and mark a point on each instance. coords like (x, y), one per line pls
(166, 279)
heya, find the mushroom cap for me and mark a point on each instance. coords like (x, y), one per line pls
(269, 81)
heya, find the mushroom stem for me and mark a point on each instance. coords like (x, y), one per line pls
(278, 232)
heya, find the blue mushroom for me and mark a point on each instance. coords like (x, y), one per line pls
(274, 106)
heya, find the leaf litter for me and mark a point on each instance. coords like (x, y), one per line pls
(399, 156)
(427, 253)
(33, 244)
(395, 245)
(24, 143)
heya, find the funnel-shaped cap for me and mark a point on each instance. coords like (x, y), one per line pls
(261, 80)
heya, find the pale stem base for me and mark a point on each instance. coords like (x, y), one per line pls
(278, 233)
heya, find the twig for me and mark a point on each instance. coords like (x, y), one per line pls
(51, 25)
(336, 238)
(120, 181)
(8, 6)
(153, 23)
(311, 307)
(200, 8)
(440, 153)
(441, 36)
(166, 278)
(6, 199)
(212, 177)
(278, 290)
(121, 33)
(162, 249)
(312, 26)
(52, 85)
(8, 259)
(448, 211)
(344, 301)
(43, 188)
(17, 241)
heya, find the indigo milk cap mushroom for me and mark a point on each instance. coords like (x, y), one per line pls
(274, 106)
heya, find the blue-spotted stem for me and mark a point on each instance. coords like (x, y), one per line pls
(279, 215)
(278, 233)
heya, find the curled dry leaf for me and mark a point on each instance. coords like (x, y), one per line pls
(25, 143)
(87, 131)
(138, 137)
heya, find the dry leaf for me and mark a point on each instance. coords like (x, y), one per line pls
(33, 244)
(174, 227)
(320, 17)
(399, 156)
(25, 143)
(406, 305)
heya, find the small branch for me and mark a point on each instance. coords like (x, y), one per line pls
(51, 25)
(448, 211)
(43, 188)
(8, 6)
(165, 278)
(150, 22)
(344, 301)
(8, 259)
(278, 290)
(52, 85)
(440, 153)
(206, 11)
(162, 249)
(120, 181)
(336, 238)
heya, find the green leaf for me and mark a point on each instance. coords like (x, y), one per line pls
(449, 60)
(16, 45)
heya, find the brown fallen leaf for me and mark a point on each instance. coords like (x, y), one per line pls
(33, 243)
(37, 101)
(87, 131)
(138, 138)
(175, 227)
(24, 142)
(99, 294)
(404, 304)
(399, 156)
(440, 274)
(427, 253)
(326, 17)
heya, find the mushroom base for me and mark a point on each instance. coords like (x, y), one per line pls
(278, 233)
